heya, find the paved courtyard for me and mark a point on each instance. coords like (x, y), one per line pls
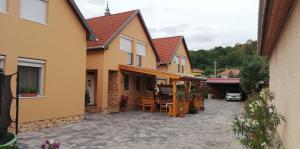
(140, 130)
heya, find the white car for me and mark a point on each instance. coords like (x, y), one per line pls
(234, 96)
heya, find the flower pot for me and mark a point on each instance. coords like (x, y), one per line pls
(202, 108)
(181, 114)
(28, 94)
(11, 144)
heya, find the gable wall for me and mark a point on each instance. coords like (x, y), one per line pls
(62, 44)
(182, 53)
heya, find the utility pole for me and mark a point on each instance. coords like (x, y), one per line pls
(215, 68)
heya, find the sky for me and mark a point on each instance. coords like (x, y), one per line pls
(205, 24)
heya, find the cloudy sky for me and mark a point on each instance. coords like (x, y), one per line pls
(204, 23)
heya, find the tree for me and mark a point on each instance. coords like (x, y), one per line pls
(253, 70)
(231, 57)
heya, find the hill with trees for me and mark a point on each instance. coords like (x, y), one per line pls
(225, 57)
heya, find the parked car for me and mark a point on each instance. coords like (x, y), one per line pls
(233, 95)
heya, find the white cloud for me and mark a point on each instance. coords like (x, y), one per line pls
(204, 23)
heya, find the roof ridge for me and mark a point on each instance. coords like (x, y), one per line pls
(135, 10)
(168, 37)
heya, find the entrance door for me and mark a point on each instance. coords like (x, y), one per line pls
(90, 87)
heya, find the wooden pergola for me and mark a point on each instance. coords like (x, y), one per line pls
(174, 78)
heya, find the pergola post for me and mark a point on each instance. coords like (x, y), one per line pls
(175, 106)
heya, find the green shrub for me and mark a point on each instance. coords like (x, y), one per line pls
(257, 125)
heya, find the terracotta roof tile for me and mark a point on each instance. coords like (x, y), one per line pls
(166, 47)
(106, 26)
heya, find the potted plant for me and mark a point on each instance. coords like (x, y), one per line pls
(193, 109)
(10, 141)
(28, 92)
(123, 103)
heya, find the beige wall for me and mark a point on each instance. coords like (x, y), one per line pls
(113, 56)
(173, 67)
(62, 44)
(285, 80)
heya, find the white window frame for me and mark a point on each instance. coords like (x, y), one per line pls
(128, 39)
(5, 6)
(38, 64)
(31, 18)
(2, 59)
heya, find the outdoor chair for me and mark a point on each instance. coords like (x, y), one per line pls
(171, 109)
(148, 104)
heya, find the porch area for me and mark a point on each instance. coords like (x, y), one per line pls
(176, 97)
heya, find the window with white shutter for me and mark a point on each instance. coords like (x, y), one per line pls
(140, 49)
(126, 45)
(3, 6)
(183, 61)
(34, 10)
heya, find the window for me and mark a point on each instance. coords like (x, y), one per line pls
(138, 83)
(126, 82)
(140, 51)
(31, 74)
(34, 10)
(3, 6)
(149, 83)
(2, 61)
(178, 68)
(130, 60)
(126, 45)
(138, 59)
(176, 60)
(183, 61)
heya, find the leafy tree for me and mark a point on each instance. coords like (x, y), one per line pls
(226, 57)
(253, 70)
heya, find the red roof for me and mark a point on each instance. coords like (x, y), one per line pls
(105, 27)
(235, 72)
(166, 47)
(223, 80)
(108, 27)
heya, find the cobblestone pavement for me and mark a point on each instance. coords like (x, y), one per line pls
(141, 130)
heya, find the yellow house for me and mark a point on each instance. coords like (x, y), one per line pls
(278, 39)
(45, 41)
(173, 54)
(124, 42)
